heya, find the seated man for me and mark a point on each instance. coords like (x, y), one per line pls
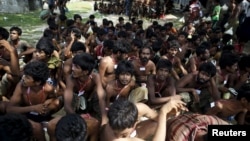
(124, 121)
(200, 88)
(170, 54)
(239, 107)
(143, 68)
(33, 95)
(123, 84)
(71, 127)
(108, 64)
(161, 86)
(83, 95)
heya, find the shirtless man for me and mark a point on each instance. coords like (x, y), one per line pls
(202, 55)
(125, 125)
(228, 65)
(123, 84)
(161, 86)
(108, 64)
(23, 47)
(33, 96)
(178, 68)
(196, 85)
(143, 68)
(232, 107)
(136, 45)
(10, 68)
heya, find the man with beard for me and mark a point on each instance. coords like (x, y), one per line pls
(143, 68)
(161, 86)
(123, 84)
(108, 64)
(199, 89)
(202, 56)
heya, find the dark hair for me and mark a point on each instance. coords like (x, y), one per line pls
(173, 44)
(38, 70)
(70, 22)
(209, 68)
(48, 33)
(71, 127)
(124, 66)
(243, 93)
(145, 47)
(15, 127)
(77, 32)
(200, 50)
(85, 61)
(121, 47)
(108, 44)
(227, 60)
(76, 46)
(122, 114)
(137, 42)
(164, 63)
(45, 44)
(91, 16)
(18, 29)
(76, 16)
(243, 62)
(4, 34)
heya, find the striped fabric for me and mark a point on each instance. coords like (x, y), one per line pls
(184, 127)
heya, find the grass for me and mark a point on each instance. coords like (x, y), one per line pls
(33, 26)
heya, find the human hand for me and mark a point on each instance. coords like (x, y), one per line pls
(196, 96)
(41, 109)
(6, 45)
(173, 107)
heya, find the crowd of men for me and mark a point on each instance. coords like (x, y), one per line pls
(123, 81)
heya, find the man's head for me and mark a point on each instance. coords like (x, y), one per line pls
(77, 18)
(71, 127)
(77, 48)
(229, 62)
(15, 127)
(124, 72)
(35, 73)
(145, 54)
(163, 67)
(122, 116)
(244, 96)
(173, 48)
(4, 34)
(202, 52)
(108, 46)
(243, 64)
(206, 72)
(121, 50)
(83, 64)
(44, 49)
(15, 32)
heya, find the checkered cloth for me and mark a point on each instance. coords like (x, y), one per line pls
(185, 127)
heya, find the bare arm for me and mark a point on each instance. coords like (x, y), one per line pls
(68, 95)
(102, 69)
(171, 108)
(15, 101)
(101, 97)
(151, 92)
(145, 111)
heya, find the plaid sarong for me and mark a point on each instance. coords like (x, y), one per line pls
(185, 127)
